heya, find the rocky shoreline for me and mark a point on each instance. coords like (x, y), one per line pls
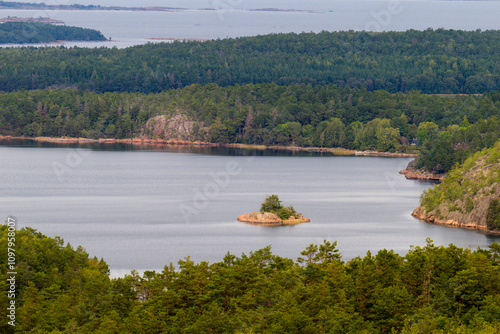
(177, 142)
(270, 219)
(133, 141)
(429, 218)
(411, 173)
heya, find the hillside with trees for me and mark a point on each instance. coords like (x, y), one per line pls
(32, 32)
(432, 289)
(431, 61)
(468, 196)
(447, 129)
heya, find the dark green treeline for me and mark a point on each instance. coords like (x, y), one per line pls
(430, 61)
(430, 290)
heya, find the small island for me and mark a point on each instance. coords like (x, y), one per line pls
(273, 213)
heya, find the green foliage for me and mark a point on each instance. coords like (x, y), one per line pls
(264, 114)
(430, 289)
(479, 175)
(30, 32)
(493, 215)
(286, 212)
(430, 61)
(273, 204)
(469, 204)
(427, 131)
(443, 150)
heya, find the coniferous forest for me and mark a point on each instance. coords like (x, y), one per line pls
(356, 90)
(448, 129)
(432, 289)
(431, 61)
(432, 92)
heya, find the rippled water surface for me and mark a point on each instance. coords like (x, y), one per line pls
(141, 209)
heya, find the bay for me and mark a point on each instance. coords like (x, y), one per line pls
(141, 209)
(233, 19)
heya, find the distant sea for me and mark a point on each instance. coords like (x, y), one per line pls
(234, 18)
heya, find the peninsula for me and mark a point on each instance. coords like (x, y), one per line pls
(273, 213)
(33, 32)
(469, 195)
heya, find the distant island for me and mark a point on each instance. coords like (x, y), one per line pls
(33, 32)
(273, 213)
(30, 20)
(38, 6)
(43, 6)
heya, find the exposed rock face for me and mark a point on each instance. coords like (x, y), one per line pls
(270, 219)
(464, 197)
(178, 127)
(459, 221)
(414, 174)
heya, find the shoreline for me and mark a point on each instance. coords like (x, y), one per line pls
(414, 174)
(419, 214)
(270, 219)
(422, 176)
(175, 142)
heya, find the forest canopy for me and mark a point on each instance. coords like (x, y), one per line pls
(431, 61)
(447, 129)
(431, 289)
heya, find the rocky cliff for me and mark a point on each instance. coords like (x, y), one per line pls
(178, 127)
(469, 195)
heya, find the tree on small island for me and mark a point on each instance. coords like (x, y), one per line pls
(273, 204)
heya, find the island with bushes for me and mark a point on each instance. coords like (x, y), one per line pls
(273, 213)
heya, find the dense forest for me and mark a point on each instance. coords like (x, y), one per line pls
(448, 129)
(32, 32)
(356, 90)
(430, 61)
(432, 289)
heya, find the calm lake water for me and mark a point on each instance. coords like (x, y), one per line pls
(141, 209)
(233, 19)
